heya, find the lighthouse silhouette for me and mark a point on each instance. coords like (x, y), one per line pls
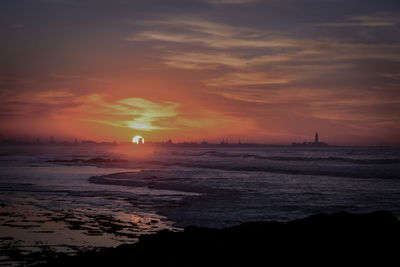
(316, 138)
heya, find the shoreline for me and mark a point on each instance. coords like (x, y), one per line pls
(339, 236)
(13, 143)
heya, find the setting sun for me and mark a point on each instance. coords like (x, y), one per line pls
(263, 119)
(138, 139)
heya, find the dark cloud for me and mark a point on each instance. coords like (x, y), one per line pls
(311, 54)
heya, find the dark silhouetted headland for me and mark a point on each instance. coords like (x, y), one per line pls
(320, 239)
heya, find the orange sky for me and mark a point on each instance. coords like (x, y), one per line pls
(265, 71)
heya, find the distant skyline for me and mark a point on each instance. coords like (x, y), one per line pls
(273, 71)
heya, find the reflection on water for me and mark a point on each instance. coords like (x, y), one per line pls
(55, 207)
(68, 199)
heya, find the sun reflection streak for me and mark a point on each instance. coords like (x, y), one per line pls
(132, 150)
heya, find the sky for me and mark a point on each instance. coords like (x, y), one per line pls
(267, 71)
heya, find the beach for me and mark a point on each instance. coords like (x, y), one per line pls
(65, 200)
(317, 240)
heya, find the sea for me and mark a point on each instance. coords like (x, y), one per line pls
(65, 198)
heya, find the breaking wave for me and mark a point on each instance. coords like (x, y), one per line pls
(288, 158)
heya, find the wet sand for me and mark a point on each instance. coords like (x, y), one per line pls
(31, 235)
(320, 239)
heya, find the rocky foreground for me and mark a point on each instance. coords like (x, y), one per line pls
(322, 240)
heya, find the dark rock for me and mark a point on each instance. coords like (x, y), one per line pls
(321, 239)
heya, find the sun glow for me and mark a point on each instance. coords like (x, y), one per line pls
(138, 139)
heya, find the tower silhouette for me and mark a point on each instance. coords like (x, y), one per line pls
(316, 137)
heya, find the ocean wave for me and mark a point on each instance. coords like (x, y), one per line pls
(333, 171)
(337, 159)
(91, 160)
(288, 158)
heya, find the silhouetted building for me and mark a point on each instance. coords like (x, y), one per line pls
(311, 144)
